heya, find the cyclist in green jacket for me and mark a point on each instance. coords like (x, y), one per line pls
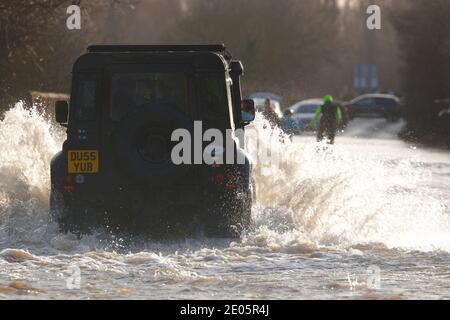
(329, 122)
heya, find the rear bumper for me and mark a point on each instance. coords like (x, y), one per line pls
(155, 211)
(129, 196)
(205, 193)
(141, 198)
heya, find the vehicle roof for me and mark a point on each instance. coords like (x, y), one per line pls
(376, 95)
(158, 48)
(200, 59)
(259, 102)
(307, 102)
(264, 95)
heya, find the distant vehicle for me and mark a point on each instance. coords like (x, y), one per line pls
(375, 105)
(345, 115)
(260, 97)
(304, 111)
(444, 113)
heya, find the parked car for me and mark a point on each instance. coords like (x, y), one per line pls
(304, 111)
(375, 105)
(260, 98)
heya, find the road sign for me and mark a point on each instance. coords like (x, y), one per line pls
(366, 77)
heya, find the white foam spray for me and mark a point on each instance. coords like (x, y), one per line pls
(311, 198)
(27, 143)
(332, 196)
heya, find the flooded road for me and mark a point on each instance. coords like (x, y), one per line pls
(366, 219)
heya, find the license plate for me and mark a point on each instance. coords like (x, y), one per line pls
(82, 161)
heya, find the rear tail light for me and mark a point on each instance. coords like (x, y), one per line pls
(231, 186)
(232, 182)
(229, 180)
(218, 178)
(67, 183)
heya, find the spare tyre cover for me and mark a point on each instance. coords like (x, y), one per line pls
(143, 144)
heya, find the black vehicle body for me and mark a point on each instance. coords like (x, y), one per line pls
(374, 106)
(131, 183)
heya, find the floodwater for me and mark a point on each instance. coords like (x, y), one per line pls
(366, 219)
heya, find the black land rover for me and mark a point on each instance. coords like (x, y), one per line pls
(116, 168)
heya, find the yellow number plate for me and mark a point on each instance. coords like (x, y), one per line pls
(82, 161)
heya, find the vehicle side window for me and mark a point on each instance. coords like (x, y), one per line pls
(309, 108)
(85, 98)
(366, 102)
(213, 96)
(383, 102)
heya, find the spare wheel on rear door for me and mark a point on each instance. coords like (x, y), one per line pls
(143, 144)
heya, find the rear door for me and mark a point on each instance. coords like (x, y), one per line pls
(83, 147)
(132, 85)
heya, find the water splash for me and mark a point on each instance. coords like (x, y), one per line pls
(309, 197)
(334, 196)
(27, 143)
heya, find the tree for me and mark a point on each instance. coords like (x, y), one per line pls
(36, 48)
(281, 43)
(424, 31)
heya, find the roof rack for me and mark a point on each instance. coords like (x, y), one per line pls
(156, 48)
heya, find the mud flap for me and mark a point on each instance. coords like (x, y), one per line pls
(76, 220)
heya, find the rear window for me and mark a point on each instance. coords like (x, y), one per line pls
(213, 96)
(132, 90)
(85, 97)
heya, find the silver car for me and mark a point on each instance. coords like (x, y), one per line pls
(304, 112)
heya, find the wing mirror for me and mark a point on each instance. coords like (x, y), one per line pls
(61, 112)
(247, 111)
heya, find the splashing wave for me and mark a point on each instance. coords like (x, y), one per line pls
(310, 197)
